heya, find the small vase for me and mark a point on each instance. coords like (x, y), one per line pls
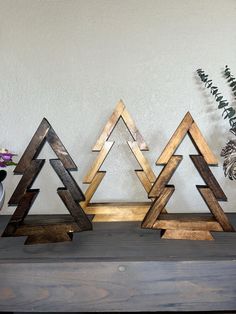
(2, 195)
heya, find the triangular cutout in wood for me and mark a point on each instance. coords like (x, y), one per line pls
(103, 146)
(187, 126)
(23, 196)
(187, 226)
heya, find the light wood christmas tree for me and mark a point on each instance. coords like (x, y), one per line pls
(187, 226)
(123, 211)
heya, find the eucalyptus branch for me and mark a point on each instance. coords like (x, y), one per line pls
(228, 112)
(230, 79)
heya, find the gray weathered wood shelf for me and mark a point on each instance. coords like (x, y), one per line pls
(119, 267)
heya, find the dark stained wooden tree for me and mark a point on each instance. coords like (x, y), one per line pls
(46, 231)
(187, 226)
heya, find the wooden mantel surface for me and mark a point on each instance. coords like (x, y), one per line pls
(119, 267)
(119, 241)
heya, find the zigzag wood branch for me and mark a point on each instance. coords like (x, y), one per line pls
(187, 226)
(23, 197)
(103, 146)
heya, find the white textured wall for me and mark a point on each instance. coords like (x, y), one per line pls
(71, 61)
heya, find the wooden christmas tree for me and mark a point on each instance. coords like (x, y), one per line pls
(43, 231)
(187, 226)
(118, 212)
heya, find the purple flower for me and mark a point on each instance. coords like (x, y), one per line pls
(6, 159)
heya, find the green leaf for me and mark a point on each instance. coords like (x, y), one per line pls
(232, 84)
(223, 104)
(230, 112)
(10, 163)
(219, 98)
(232, 121)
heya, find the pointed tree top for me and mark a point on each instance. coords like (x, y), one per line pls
(120, 111)
(44, 133)
(189, 126)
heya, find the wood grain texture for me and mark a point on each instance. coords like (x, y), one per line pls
(181, 234)
(133, 130)
(128, 286)
(103, 146)
(33, 148)
(125, 211)
(92, 188)
(111, 123)
(201, 145)
(212, 193)
(187, 222)
(60, 150)
(40, 230)
(98, 162)
(20, 213)
(208, 177)
(157, 207)
(189, 126)
(215, 208)
(175, 140)
(143, 162)
(118, 267)
(75, 210)
(26, 181)
(144, 180)
(67, 180)
(146, 184)
(23, 197)
(120, 112)
(116, 241)
(165, 175)
(43, 133)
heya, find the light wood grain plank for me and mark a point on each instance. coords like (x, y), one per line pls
(187, 224)
(143, 162)
(125, 217)
(144, 180)
(108, 212)
(133, 130)
(201, 145)
(175, 140)
(187, 235)
(92, 188)
(112, 121)
(98, 162)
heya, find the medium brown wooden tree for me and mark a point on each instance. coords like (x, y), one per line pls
(187, 226)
